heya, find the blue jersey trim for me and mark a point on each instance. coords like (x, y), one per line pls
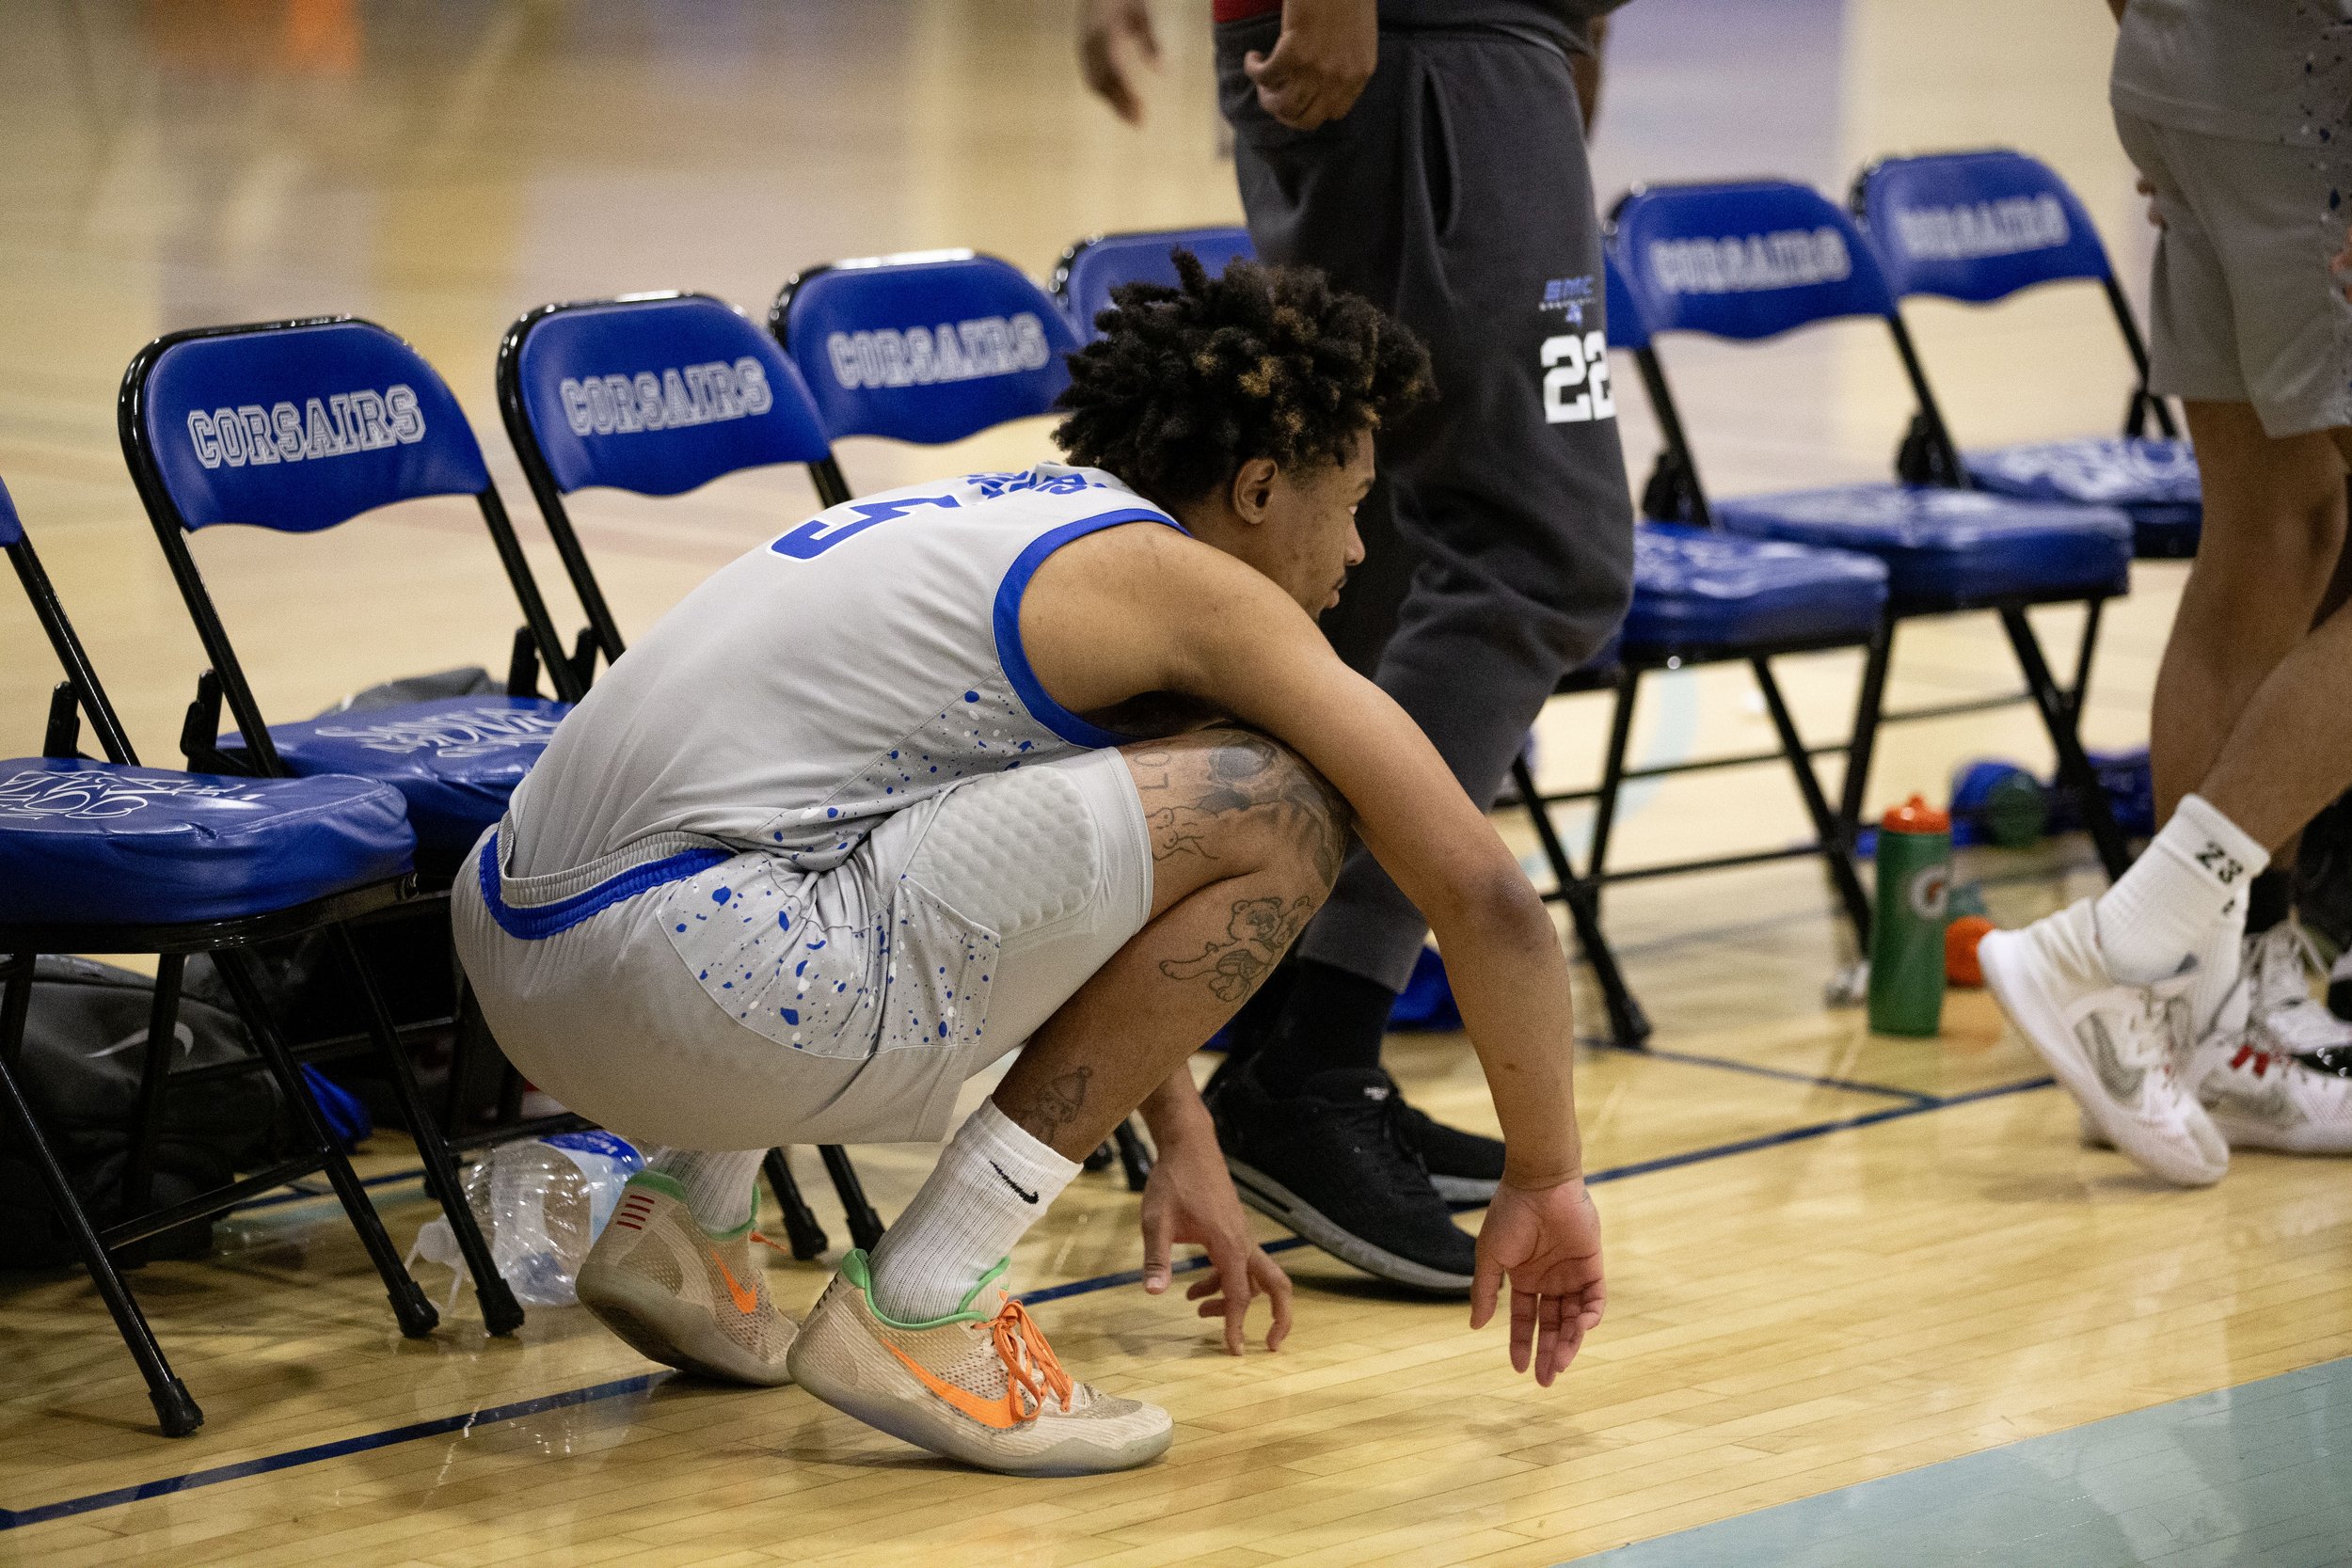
(1016, 659)
(541, 921)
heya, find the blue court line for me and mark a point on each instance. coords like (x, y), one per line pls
(1732, 1064)
(16, 1518)
(42, 1513)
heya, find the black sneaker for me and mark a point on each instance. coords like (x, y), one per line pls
(1465, 1167)
(1334, 1164)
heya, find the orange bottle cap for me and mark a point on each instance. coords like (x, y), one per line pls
(1915, 816)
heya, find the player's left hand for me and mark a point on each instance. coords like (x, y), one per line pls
(1114, 37)
(1190, 1198)
(1548, 1241)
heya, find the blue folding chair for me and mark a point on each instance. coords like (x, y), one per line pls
(1089, 270)
(931, 347)
(1980, 226)
(297, 427)
(1700, 597)
(111, 857)
(1749, 261)
(659, 394)
(652, 393)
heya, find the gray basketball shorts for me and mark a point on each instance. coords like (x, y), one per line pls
(2244, 308)
(746, 1004)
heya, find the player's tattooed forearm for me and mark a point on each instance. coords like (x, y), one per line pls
(1260, 930)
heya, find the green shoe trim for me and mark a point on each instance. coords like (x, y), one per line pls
(670, 1186)
(858, 1269)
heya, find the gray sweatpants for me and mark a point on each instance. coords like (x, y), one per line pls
(1456, 197)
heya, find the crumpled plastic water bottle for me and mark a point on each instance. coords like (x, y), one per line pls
(541, 1205)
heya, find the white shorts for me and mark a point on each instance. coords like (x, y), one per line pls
(2243, 307)
(686, 995)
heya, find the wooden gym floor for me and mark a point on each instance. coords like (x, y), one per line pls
(1834, 1257)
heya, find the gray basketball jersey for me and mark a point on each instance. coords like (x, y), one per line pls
(857, 663)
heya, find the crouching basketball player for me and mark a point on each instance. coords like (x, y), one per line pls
(1052, 762)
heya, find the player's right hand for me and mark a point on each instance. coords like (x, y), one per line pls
(1547, 1243)
(1113, 36)
(1325, 55)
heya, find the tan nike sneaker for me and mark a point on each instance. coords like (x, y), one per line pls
(681, 1295)
(983, 1389)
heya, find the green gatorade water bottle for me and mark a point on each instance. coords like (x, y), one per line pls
(1914, 855)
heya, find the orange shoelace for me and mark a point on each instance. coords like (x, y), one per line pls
(1029, 1361)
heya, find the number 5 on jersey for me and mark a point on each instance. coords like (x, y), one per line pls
(1571, 361)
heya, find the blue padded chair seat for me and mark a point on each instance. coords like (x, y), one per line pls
(2155, 482)
(101, 844)
(1949, 550)
(1697, 591)
(457, 759)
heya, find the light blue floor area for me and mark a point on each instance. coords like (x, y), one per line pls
(2255, 1477)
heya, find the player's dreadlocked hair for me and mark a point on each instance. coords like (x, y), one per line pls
(1188, 384)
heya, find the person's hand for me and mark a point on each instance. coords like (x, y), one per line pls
(1113, 37)
(1548, 1241)
(1191, 1198)
(1321, 62)
(2147, 187)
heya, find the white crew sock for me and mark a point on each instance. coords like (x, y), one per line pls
(992, 1182)
(2162, 912)
(718, 1186)
(2219, 962)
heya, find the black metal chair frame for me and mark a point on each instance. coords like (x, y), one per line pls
(230, 943)
(1675, 493)
(1678, 475)
(536, 642)
(1917, 461)
(803, 1232)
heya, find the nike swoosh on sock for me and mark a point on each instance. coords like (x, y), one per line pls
(1025, 1195)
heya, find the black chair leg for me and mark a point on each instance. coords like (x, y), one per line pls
(1134, 1158)
(1869, 705)
(865, 1226)
(176, 1410)
(162, 1017)
(1627, 1025)
(2083, 654)
(415, 1313)
(1827, 831)
(807, 1238)
(2075, 771)
(1611, 781)
(500, 1312)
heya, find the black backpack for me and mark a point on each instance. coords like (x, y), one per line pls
(84, 1045)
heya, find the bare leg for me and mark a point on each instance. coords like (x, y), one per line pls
(2246, 699)
(1246, 840)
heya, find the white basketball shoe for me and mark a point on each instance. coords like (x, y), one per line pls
(682, 1295)
(2117, 1048)
(2259, 1071)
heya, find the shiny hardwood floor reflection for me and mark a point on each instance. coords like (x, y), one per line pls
(1833, 1256)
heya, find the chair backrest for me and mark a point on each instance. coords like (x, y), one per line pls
(1975, 225)
(297, 426)
(81, 690)
(294, 425)
(1089, 270)
(1627, 330)
(927, 347)
(1743, 260)
(651, 393)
